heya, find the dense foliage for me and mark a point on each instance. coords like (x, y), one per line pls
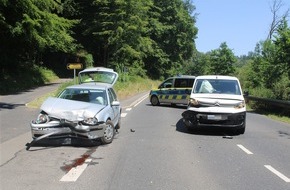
(148, 38)
(267, 69)
(141, 37)
(219, 61)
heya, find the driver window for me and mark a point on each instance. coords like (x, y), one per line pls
(167, 84)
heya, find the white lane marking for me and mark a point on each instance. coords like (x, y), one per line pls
(244, 149)
(286, 179)
(135, 104)
(123, 114)
(75, 172)
(141, 99)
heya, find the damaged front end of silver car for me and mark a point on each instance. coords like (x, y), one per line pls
(46, 126)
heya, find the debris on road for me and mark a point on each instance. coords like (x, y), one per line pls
(227, 137)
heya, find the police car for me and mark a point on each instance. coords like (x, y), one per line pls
(174, 90)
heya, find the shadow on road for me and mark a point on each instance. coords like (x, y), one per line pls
(22, 91)
(175, 106)
(59, 142)
(206, 131)
(9, 106)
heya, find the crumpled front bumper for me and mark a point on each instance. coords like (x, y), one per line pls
(230, 120)
(59, 128)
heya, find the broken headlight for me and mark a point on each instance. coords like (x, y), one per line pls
(240, 105)
(90, 121)
(192, 102)
(42, 118)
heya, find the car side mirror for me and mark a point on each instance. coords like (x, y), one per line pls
(115, 103)
(246, 93)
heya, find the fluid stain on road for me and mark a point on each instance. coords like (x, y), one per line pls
(79, 161)
(283, 134)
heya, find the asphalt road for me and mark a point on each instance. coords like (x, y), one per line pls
(153, 150)
(14, 114)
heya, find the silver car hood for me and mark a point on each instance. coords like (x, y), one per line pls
(69, 109)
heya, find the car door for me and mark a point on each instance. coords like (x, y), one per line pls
(165, 91)
(181, 90)
(115, 107)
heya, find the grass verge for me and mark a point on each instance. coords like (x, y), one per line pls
(273, 115)
(279, 118)
(26, 76)
(134, 85)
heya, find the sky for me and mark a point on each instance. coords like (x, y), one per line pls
(239, 23)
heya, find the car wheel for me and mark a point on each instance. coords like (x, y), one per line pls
(108, 133)
(154, 101)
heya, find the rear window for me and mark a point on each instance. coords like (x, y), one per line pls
(97, 76)
(217, 86)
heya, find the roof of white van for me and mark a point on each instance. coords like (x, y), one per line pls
(216, 77)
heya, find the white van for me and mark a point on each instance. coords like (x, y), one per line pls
(216, 101)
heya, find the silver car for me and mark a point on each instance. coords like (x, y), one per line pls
(89, 110)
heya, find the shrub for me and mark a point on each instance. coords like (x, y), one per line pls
(25, 76)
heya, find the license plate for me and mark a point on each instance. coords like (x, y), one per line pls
(214, 117)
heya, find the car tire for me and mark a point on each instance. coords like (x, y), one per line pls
(154, 101)
(109, 133)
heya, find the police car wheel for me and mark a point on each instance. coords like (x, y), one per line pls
(154, 101)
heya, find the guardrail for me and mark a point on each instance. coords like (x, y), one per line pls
(279, 103)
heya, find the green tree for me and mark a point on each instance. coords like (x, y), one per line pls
(28, 30)
(174, 34)
(115, 33)
(144, 37)
(222, 61)
(31, 27)
(282, 41)
(198, 65)
(270, 66)
(149, 37)
(265, 64)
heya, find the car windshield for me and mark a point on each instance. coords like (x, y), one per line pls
(218, 86)
(98, 76)
(96, 96)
